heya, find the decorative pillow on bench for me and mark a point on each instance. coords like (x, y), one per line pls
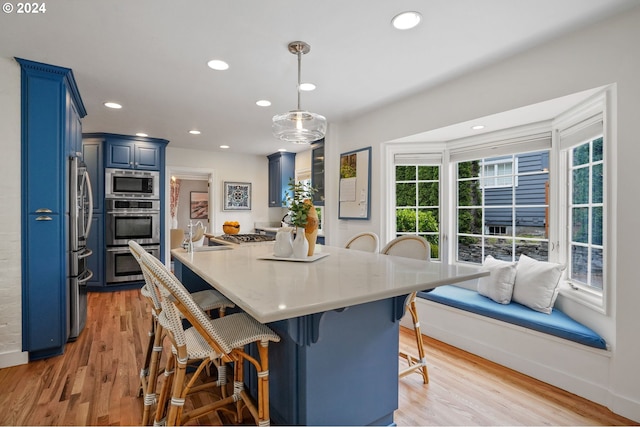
(529, 282)
(499, 284)
(536, 284)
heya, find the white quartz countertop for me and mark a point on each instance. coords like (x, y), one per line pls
(271, 290)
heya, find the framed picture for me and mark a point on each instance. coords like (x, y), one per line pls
(237, 196)
(355, 183)
(199, 205)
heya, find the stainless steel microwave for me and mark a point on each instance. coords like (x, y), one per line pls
(124, 183)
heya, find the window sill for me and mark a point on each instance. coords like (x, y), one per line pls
(583, 297)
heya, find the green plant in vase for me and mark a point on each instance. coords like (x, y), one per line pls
(303, 215)
(299, 201)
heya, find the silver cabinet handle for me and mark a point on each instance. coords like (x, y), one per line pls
(44, 218)
(43, 210)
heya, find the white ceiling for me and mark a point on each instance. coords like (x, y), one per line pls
(151, 56)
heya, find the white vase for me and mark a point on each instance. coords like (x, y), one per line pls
(300, 244)
(284, 245)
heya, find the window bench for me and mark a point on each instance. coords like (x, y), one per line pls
(557, 323)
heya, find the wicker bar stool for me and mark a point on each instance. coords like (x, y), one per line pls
(412, 247)
(208, 300)
(227, 336)
(367, 241)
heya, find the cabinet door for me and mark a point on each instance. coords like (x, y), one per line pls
(317, 174)
(46, 278)
(120, 154)
(92, 155)
(147, 156)
(275, 197)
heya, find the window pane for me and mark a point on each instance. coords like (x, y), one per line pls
(596, 269)
(581, 155)
(580, 225)
(429, 173)
(579, 259)
(434, 243)
(405, 173)
(581, 186)
(470, 221)
(596, 221)
(405, 194)
(498, 196)
(428, 220)
(597, 184)
(597, 150)
(532, 189)
(530, 222)
(469, 169)
(499, 248)
(428, 194)
(538, 250)
(405, 220)
(470, 249)
(469, 193)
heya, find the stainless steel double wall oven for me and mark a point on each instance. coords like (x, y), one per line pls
(132, 213)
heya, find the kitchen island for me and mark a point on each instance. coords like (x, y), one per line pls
(338, 319)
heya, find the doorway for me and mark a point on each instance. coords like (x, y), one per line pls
(189, 197)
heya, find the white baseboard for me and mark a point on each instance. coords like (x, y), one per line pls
(13, 359)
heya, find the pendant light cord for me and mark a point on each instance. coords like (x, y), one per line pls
(299, 53)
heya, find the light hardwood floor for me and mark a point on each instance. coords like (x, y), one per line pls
(96, 381)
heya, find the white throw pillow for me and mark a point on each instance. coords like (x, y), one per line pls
(499, 284)
(537, 283)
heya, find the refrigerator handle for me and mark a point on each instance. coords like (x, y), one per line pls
(87, 276)
(87, 180)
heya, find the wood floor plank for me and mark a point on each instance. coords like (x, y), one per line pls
(96, 382)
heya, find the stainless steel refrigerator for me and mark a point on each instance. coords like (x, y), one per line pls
(80, 217)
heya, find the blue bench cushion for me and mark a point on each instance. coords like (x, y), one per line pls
(557, 323)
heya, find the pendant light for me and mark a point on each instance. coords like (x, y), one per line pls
(299, 126)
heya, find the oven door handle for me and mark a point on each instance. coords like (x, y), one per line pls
(133, 212)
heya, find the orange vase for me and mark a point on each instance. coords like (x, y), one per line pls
(311, 228)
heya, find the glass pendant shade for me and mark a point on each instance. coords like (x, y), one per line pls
(299, 127)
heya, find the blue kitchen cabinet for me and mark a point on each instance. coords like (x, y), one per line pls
(92, 153)
(281, 170)
(317, 172)
(51, 110)
(132, 153)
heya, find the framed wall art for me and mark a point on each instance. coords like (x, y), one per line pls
(199, 205)
(237, 196)
(355, 183)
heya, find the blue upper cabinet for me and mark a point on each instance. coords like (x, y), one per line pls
(282, 167)
(126, 152)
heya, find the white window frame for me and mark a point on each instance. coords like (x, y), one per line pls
(569, 132)
(495, 164)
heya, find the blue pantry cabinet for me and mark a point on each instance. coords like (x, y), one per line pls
(51, 131)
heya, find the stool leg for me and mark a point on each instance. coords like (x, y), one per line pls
(144, 372)
(150, 391)
(263, 385)
(163, 400)
(411, 307)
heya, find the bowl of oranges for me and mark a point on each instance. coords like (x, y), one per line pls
(231, 227)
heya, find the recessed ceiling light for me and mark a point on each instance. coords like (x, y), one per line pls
(263, 103)
(113, 105)
(282, 149)
(224, 147)
(141, 134)
(477, 127)
(307, 87)
(406, 20)
(218, 65)
(194, 132)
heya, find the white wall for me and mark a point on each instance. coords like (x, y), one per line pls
(10, 243)
(228, 166)
(603, 54)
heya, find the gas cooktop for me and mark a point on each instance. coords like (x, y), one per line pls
(246, 238)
